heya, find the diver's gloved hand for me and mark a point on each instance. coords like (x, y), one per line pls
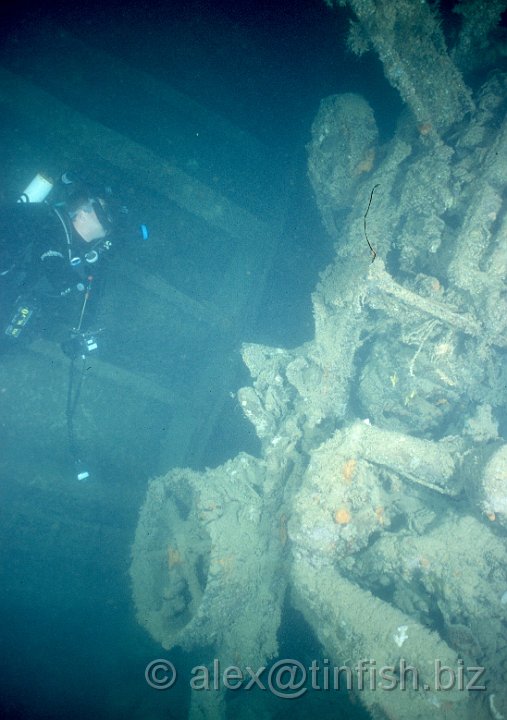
(79, 345)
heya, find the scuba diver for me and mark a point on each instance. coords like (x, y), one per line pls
(53, 247)
(52, 257)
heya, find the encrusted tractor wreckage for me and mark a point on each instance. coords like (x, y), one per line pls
(380, 497)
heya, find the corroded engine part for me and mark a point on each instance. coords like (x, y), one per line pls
(435, 361)
(203, 556)
(479, 264)
(347, 490)
(413, 342)
(459, 566)
(342, 149)
(295, 391)
(356, 627)
(494, 488)
(410, 42)
(270, 402)
(382, 291)
(170, 558)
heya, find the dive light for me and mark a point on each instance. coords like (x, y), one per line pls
(37, 190)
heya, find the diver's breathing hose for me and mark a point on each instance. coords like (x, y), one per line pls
(85, 302)
(73, 394)
(74, 387)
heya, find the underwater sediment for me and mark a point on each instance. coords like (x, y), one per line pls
(379, 501)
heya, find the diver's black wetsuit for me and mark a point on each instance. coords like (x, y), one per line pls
(47, 265)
